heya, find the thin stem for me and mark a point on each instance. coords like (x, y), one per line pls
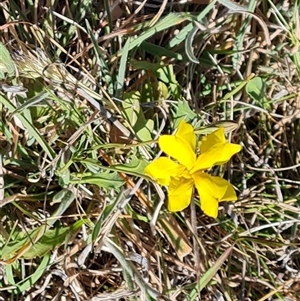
(195, 241)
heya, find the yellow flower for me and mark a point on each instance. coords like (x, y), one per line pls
(189, 170)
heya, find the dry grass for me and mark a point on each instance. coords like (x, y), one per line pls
(95, 82)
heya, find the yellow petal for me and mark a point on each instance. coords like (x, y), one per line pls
(162, 169)
(215, 150)
(186, 132)
(213, 190)
(212, 139)
(180, 146)
(217, 155)
(180, 193)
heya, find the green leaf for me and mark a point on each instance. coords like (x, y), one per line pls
(166, 74)
(184, 111)
(30, 127)
(145, 131)
(166, 22)
(154, 90)
(65, 198)
(144, 65)
(7, 65)
(103, 179)
(134, 167)
(131, 105)
(182, 35)
(100, 59)
(9, 273)
(52, 239)
(135, 116)
(106, 213)
(255, 89)
(34, 277)
(32, 101)
(122, 69)
(206, 278)
(163, 89)
(161, 51)
(19, 240)
(189, 45)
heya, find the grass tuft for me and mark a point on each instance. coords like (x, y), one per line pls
(86, 89)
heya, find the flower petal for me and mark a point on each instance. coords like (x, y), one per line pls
(212, 139)
(213, 190)
(186, 132)
(179, 193)
(216, 155)
(180, 146)
(162, 169)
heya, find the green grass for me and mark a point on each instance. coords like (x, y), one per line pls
(94, 89)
